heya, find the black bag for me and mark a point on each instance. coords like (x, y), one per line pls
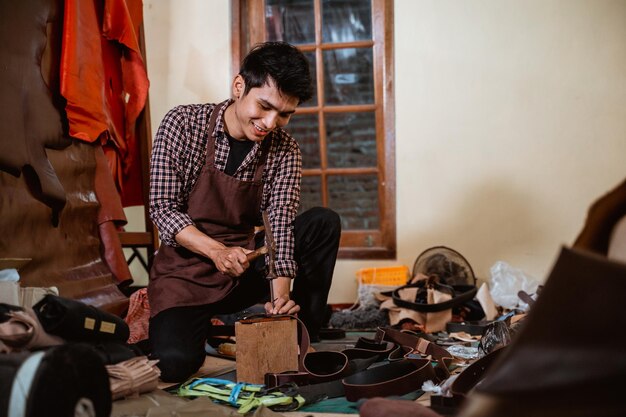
(76, 321)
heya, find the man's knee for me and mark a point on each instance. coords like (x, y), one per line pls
(177, 365)
(325, 219)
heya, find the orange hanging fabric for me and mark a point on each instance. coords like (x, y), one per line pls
(104, 80)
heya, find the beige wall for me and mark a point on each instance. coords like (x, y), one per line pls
(510, 117)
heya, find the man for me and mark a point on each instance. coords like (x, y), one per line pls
(214, 169)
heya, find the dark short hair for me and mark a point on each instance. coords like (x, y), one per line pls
(284, 63)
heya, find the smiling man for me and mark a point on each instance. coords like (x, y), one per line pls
(215, 168)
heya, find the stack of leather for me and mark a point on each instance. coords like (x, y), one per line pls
(133, 376)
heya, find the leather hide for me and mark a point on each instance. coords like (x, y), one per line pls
(58, 171)
(30, 116)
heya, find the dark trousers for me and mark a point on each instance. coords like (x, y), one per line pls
(178, 335)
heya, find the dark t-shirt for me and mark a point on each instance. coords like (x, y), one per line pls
(239, 149)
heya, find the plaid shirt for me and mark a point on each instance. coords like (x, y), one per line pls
(178, 155)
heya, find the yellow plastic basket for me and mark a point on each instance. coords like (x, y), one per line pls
(391, 275)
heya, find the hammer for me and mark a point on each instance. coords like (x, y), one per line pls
(256, 253)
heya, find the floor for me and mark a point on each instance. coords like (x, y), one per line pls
(221, 367)
(216, 366)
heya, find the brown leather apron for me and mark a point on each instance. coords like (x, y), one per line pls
(224, 208)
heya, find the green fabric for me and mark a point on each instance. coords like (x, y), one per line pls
(244, 396)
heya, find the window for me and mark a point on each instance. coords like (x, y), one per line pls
(346, 132)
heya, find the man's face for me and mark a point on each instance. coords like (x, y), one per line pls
(259, 112)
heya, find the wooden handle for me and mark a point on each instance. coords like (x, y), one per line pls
(256, 253)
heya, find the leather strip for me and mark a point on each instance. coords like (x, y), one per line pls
(419, 344)
(396, 378)
(334, 374)
(473, 374)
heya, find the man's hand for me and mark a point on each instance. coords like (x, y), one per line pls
(282, 303)
(229, 260)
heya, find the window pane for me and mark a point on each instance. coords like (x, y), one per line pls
(311, 193)
(355, 198)
(346, 20)
(348, 76)
(291, 21)
(304, 129)
(311, 57)
(351, 140)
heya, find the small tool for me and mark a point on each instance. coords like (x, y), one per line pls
(270, 244)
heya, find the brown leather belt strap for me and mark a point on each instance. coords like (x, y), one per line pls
(474, 373)
(419, 345)
(395, 378)
(334, 374)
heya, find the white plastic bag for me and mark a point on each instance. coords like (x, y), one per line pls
(506, 282)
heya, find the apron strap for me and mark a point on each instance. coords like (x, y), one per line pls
(210, 151)
(210, 154)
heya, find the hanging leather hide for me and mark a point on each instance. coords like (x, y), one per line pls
(66, 254)
(30, 119)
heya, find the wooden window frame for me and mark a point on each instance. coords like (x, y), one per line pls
(248, 28)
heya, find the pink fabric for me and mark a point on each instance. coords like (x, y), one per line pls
(138, 316)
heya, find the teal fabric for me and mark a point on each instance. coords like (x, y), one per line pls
(342, 406)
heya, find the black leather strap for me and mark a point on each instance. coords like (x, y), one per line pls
(395, 378)
(462, 293)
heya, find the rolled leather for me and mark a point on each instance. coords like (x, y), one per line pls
(64, 381)
(23, 331)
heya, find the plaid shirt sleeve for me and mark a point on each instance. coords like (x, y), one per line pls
(282, 195)
(167, 177)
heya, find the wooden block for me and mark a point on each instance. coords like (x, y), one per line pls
(265, 345)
